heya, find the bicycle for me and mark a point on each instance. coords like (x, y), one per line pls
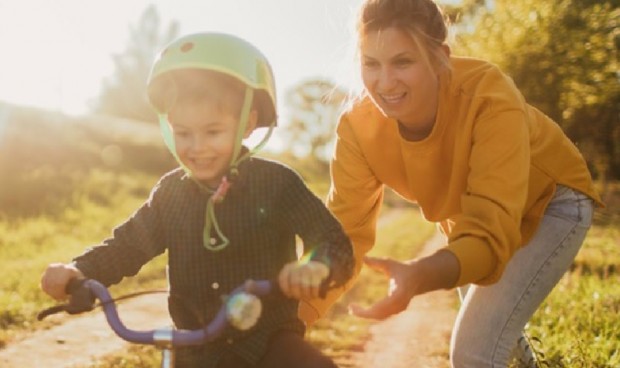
(241, 310)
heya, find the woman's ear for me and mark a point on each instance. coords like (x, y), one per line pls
(252, 121)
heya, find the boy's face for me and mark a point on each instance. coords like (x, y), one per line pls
(204, 137)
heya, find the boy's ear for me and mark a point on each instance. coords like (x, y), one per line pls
(252, 121)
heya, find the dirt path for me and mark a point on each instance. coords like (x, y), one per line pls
(418, 337)
(79, 339)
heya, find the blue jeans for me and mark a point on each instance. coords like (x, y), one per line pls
(491, 318)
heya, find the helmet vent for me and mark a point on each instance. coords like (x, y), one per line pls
(187, 46)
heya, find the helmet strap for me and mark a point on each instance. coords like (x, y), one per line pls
(243, 125)
(249, 95)
(219, 194)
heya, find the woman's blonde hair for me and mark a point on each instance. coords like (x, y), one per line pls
(422, 19)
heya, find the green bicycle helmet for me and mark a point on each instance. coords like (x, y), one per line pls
(234, 57)
(226, 54)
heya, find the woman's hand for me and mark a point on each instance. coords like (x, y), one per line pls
(440, 270)
(302, 280)
(56, 277)
(402, 288)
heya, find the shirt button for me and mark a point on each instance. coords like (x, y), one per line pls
(212, 241)
(229, 340)
(215, 286)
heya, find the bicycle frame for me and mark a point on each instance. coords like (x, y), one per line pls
(83, 294)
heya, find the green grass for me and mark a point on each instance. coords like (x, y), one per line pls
(577, 326)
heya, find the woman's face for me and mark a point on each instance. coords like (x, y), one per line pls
(397, 78)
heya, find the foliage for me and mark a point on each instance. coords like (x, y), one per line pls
(315, 106)
(45, 157)
(563, 55)
(124, 93)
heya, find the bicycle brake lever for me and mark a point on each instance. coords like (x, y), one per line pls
(51, 310)
(82, 299)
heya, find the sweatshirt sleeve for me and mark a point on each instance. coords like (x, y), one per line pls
(355, 195)
(487, 232)
(355, 199)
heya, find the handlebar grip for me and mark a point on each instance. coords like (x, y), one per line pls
(73, 285)
(82, 298)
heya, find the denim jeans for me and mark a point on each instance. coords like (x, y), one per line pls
(491, 318)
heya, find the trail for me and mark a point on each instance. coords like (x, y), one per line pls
(418, 337)
(80, 339)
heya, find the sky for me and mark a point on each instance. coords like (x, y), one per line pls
(55, 54)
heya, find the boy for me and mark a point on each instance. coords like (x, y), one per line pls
(224, 216)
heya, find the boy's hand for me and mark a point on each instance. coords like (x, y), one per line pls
(302, 280)
(55, 278)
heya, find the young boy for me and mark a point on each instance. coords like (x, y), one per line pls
(223, 216)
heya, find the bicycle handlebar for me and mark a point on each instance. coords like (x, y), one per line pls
(84, 291)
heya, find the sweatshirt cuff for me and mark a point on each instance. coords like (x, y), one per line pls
(476, 259)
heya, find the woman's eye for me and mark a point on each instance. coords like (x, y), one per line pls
(370, 63)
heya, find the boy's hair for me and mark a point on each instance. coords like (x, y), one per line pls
(196, 86)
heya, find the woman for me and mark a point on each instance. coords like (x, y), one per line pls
(509, 190)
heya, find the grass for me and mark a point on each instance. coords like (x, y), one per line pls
(577, 325)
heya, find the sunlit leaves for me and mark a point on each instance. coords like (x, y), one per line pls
(563, 55)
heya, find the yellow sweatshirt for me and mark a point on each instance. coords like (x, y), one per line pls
(485, 173)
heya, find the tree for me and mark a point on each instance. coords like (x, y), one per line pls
(563, 55)
(124, 93)
(314, 109)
